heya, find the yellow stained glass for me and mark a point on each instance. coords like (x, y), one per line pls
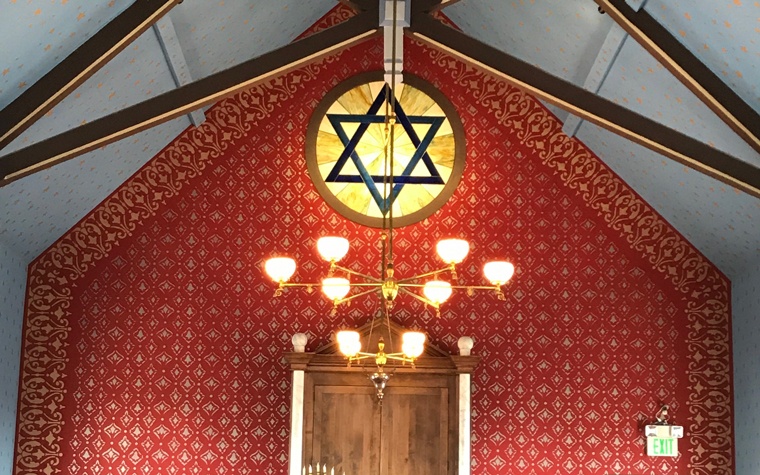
(362, 137)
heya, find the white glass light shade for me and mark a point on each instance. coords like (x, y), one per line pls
(332, 248)
(452, 251)
(349, 343)
(413, 344)
(335, 287)
(280, 269)
(498, 272)
(437, 291)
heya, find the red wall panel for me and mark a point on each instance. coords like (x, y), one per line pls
(153, 344)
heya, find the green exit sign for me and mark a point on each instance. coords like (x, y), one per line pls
(662, 446)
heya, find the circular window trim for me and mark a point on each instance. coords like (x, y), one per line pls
(398, 221)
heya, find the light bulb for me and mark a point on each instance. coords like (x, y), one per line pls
(348, 342)
(452, 251)
(413, 344)
(280, 269)
(332, 248)
(335, 288)
(437, 291)
(498, 272)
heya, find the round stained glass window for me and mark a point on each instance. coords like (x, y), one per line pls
(351, 151)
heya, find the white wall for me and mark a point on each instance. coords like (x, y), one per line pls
(746, 334)
(12, 288)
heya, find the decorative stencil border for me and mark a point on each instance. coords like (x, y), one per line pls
(46, 327)
(703, 286)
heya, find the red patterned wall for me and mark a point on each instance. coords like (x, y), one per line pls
(153, 346)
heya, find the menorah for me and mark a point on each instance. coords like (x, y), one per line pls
(320, 470)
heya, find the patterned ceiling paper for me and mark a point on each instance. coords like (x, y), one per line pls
(159, 346)
(638, 82)
(722, 221)
(216, 35)
(39, 208)
(13, 277)
(134, 75)
(577, 31)
(746, 300)
(43, 33)
(562, 38)
(723, 34)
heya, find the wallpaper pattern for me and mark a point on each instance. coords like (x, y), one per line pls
(13, 278)
(152, 343)
(746, 310)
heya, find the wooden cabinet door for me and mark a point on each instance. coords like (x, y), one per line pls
(342, 424)
(415, 429)
(413, 432)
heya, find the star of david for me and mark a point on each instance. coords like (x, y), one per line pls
(371, 181)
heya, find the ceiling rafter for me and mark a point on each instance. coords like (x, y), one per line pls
(443, 4)
(687, 68)
(585, 104)
(80, 65)
(182, 100)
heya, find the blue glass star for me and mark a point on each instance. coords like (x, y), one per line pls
(372, 117)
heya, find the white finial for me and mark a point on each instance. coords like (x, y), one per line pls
(465, 345)
(299, 342)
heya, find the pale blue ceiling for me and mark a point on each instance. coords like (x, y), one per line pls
(37, 209)
(36, 35)
(567, 38)
(722, 222)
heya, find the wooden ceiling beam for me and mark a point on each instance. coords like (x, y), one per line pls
(687, 68)
(443, 4)
(586, 104)
(80, 65)
(182, 100)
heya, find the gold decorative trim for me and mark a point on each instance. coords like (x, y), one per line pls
(314, 134)
(46, 326)
(705, 290)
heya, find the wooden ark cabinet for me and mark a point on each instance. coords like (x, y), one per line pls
(421, 427)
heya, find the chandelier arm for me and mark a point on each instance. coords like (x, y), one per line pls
(299, 284)
(419, 297)
(360, 356)
(477, 287)
(426, 274)
(399, 357)
(360, 294)
(359, 274)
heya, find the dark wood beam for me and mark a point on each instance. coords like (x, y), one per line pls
(443, 4)
(587, 105)
(76, 68)
(182, 100)
(685, 66)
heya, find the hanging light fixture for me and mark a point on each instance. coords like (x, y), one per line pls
(341, 280)
(434, 292)
(332, 248)
(412, 347)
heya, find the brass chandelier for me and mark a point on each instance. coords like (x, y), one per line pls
(337, 285)
(340, 280)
